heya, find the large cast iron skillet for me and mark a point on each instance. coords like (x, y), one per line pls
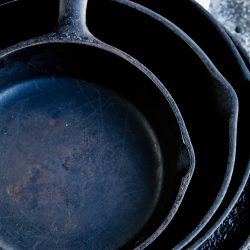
(232, 61)
(94, 151)
(229, 227)
(190, 76)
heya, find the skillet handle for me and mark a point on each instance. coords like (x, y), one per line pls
(72, 20)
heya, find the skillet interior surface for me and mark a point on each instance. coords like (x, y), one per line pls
(93, 158)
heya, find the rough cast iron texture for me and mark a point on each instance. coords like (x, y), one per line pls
(220, 237)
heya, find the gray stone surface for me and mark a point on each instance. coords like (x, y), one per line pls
(235, 16)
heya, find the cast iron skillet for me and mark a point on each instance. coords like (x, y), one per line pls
(232, 206)
(242, 169)
(232, 62)
(207, 102)
(94, 151)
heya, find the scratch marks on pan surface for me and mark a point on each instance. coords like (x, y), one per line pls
(76, 166)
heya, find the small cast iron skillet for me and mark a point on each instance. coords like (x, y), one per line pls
(207, 102)
(232, 61)
(94, 151)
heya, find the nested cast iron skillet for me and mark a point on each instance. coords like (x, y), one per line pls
(232, 62)
(241, 173)
(196, 21)
(94, 151)
(206, 99)
(234, 210)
